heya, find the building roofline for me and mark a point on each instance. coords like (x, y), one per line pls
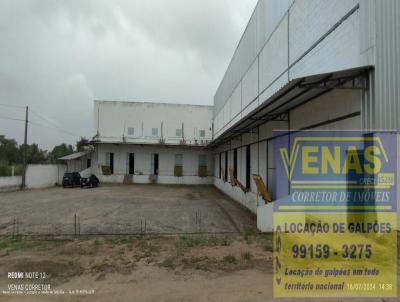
(152, 103)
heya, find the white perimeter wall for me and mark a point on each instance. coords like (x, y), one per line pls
(143, 163)
(37, 176)
(10, 183)
(42, 176)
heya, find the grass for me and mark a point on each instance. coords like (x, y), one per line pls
(268, 248)
(230, 259)
(189, 242)
(114, 241)
(247, 256)
(145, 250)
(18, 245)
(266, 236)
(170, 262)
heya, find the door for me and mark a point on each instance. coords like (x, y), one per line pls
(112, 163)
(235, 163)
(248, 166)
(131, 163)
(226, 167)
(155, 171)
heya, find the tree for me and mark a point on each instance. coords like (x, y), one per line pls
(60, 151)
(8, 150)
(82, 143)
(34, 155)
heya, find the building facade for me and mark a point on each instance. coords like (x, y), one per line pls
(152, 142)
(300, 64)
(303, 64)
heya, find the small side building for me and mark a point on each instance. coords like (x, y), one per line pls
(79, 162)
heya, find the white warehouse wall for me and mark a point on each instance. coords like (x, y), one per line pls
(288, 40)
(112, 121)
(143, 163)
(330, 107)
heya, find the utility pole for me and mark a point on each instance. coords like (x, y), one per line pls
(25, 149)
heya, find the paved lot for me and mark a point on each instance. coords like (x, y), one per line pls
(121, 210)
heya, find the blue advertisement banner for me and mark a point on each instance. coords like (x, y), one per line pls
(341, 170)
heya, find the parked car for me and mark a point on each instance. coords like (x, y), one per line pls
(71, 179)
(90, 182)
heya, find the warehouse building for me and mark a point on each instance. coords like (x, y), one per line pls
(152, 142)
(300, 64)
(303, 64)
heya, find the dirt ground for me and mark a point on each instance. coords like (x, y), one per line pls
(234, 266)
(122, 209)
(169, 268)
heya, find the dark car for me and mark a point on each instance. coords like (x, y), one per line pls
(71, 179)
(90, 182)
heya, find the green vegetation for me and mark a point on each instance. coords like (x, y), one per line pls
(170, 262)
(193, 241)
(6, 170)
(12, 154)
(268, 248)
(11, 245)
(198, 263)
(230, 259)
(247, 256)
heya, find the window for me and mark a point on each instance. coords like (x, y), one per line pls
(154, 132)
(179, 160)
(178, 132)
(202, 133)
(202, 165)
(110, 161)
(131, 131)
(178, 169)
(88, 163)
(203, 160)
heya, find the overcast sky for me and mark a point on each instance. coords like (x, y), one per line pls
(58, 56)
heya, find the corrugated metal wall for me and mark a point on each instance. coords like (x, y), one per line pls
(278, 45)
(265, 18)
(285, 40)
(387, 65)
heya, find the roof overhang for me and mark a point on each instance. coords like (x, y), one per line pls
(75, 155)
(294, 94)
(166, 145)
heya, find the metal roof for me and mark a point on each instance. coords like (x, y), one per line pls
(294, 94)
(75, 155)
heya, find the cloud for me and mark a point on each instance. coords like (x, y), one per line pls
(57, 56)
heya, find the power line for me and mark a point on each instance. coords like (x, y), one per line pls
(44, 118)
(12, 106)
(55, 126)
(11, 118)
(41, 125)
